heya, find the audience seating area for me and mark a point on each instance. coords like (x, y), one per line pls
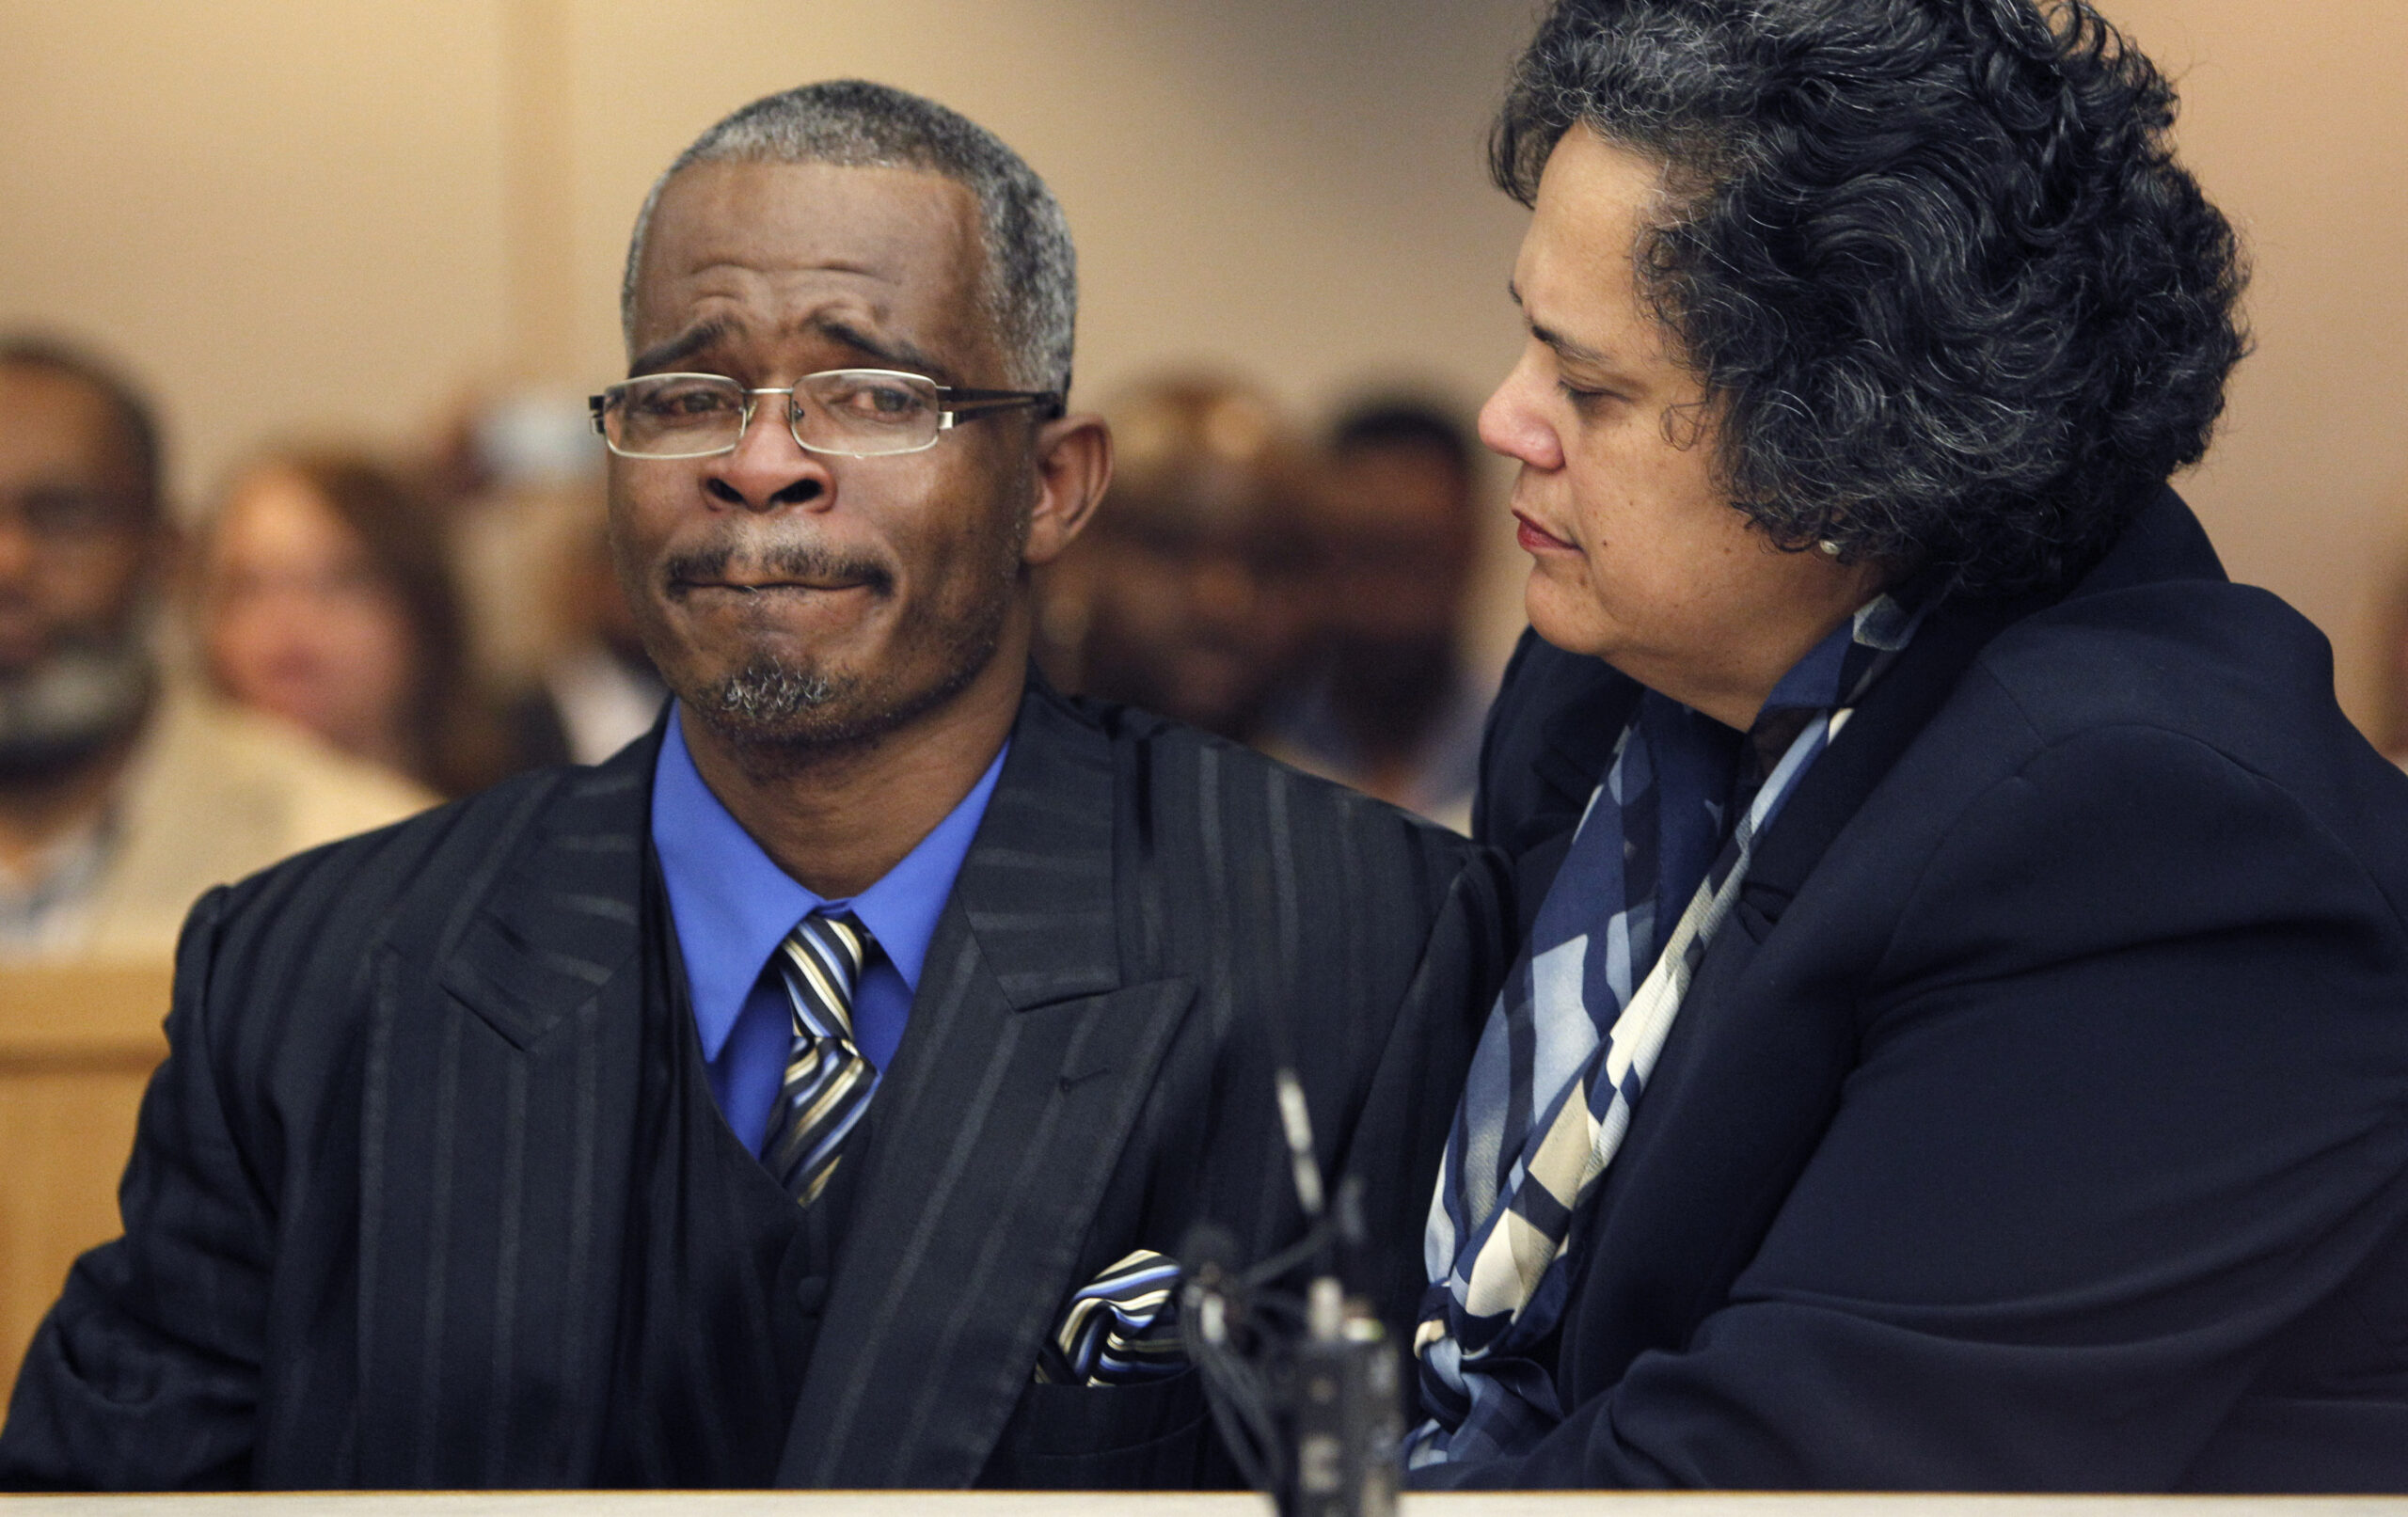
(78, 1045)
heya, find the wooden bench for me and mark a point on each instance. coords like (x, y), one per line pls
(78, 1045)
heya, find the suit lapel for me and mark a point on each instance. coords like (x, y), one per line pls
(561, 923)
(2163, 537)
(495, 1122)
(1023, 1067)
(1751, 1071)
(1893, 712)
(1577, 744)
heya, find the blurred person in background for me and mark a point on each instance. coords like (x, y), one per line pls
(122, 798)
(1189, 596)
(597, 690)
(326, 600)
(516, 473)
(1384, 700)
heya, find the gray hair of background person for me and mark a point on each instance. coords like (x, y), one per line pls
(1954, 301)
(1030, 286)
(137, 423)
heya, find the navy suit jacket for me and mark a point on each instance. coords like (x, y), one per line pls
(2041, 1119)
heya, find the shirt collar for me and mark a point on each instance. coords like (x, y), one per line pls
(732, 904)
(1836, 671)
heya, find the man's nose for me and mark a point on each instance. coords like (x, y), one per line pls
(768, 468)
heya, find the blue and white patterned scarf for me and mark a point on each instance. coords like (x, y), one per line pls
(1575, 1033)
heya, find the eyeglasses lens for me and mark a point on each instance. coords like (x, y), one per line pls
(862, 412)
(866, 411)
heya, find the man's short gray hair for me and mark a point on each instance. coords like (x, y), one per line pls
(1030, 286)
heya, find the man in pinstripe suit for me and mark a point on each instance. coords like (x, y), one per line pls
(452, 1177)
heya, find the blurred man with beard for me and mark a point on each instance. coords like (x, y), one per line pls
(817, 1092)
(1192, 596)
(120, 802)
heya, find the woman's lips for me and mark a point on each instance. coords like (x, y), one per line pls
(1537, 539)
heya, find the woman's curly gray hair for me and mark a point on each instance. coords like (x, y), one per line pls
(1956, 305)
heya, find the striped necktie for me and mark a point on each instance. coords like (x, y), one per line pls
(828, 1080)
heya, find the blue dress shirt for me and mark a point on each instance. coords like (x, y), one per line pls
(732, 904)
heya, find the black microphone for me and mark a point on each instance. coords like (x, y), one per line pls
(1306, 1395)
(1340, 1394)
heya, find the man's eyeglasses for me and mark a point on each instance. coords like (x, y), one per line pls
(856, 413)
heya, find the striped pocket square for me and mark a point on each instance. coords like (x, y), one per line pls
(1121, 1329)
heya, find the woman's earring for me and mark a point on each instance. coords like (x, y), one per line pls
(1830, 549)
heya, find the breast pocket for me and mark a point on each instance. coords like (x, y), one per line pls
(1155, 1436)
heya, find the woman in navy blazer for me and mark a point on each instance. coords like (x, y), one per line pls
(1963, 1037)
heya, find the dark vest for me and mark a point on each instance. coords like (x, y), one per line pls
(720, 1300)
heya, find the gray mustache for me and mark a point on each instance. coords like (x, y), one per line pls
(785, 561)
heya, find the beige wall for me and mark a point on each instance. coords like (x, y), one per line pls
(337, 215)
(319, 215)
(281, 214)
(2296, 120)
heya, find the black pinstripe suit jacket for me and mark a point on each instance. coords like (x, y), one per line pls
(423, 1197)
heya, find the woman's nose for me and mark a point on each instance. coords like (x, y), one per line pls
(1513, 423)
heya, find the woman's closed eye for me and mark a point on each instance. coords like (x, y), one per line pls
(1584, 399)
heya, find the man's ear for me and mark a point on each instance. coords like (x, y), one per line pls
(1073, 467)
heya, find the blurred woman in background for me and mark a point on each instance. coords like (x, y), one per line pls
(326, 598)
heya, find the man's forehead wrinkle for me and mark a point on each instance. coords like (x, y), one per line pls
(889, 264)
(865, 326)
(763, 217)
(750, 264)
(735, 303)
(774, 289)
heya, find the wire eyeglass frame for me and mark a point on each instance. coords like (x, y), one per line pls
(952, 403)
